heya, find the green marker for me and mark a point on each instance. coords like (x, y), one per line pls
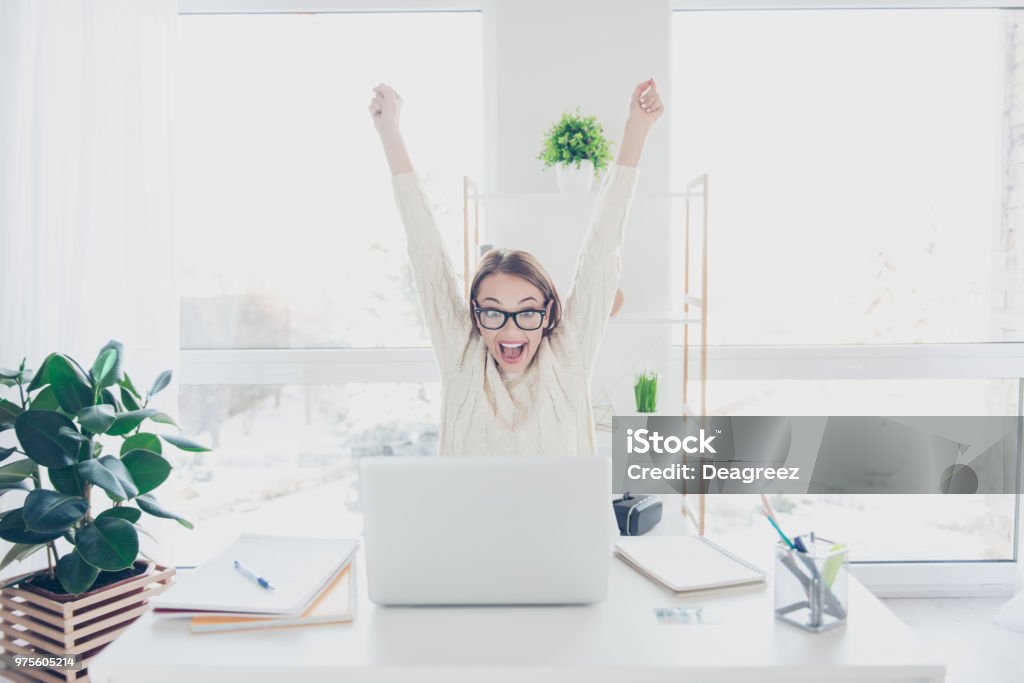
(833, 564)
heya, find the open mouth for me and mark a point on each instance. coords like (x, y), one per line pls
(511, 352)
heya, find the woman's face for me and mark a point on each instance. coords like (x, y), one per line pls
(511, 346)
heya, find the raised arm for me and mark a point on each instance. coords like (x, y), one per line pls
(444, 309)
(385, 108)
(597, 271)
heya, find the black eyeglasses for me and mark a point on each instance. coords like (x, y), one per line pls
(527, 320)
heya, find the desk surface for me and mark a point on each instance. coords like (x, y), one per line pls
(611, 641)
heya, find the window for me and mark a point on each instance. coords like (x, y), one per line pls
(285, 457)
(856, 201)
(855, 193)
(293, 261)
(289, 232)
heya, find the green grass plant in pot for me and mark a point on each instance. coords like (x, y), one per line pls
(577, 148)
(87, 430)
(645, 390)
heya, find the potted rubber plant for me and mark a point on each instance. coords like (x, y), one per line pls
(577, 148)
(85, 430)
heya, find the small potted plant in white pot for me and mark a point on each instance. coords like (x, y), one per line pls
(84, 430)
(577, 148)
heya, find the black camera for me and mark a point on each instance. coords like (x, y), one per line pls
(636, 516)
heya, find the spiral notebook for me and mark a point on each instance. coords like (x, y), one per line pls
(686, 563)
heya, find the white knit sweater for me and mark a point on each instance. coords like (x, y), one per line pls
(544, 410)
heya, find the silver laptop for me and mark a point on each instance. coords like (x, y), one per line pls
(486, 530)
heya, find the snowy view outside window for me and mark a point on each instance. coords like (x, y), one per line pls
(854, 161)
(289, 239)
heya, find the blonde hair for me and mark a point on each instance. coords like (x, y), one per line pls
(521, 264)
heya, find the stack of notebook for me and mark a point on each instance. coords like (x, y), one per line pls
(312, 580)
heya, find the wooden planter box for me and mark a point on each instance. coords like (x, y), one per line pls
(34, 625)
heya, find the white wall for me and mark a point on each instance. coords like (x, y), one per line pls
(552, 56)
(543, 58)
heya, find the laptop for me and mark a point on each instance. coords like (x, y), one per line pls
(491, 530)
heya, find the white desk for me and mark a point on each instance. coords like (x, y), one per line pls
(616, 640)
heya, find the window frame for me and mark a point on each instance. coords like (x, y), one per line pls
(739, 5)
(319, 6)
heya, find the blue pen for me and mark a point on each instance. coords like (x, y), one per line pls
(776, 527)
(253, 575)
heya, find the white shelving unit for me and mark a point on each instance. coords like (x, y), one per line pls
(695, 258)
(694, 313)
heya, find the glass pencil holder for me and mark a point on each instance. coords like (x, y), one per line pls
(811, 587)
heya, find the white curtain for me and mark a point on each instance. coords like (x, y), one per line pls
(86, 241)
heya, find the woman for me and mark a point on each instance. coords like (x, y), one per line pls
(515, 364)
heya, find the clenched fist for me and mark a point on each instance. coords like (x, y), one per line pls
(645, 105)
(385, 107)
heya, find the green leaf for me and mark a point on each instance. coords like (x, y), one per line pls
(162, 380)
(110, 474)
(75, 574)
(20, 551)
(97, 419)
(107, 397)
(143, 440)
(47, 511)
(45, 400)
(184, 443)
(69, 384)
(127, 384)
(108, 544)
(128, 400)
(42, 376)
(17, 471)
(128, 514)
(127, 421)
(103, 368)
(148, 470)
(6, 453)
(72, 434)
(85, 452)
(115, 373)
(12, 528)
(37, 431)
(14, 486)
(9, 411)
(164, 418)
(150, 506)
(66, 480)
(115, 465)
(9, 374)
